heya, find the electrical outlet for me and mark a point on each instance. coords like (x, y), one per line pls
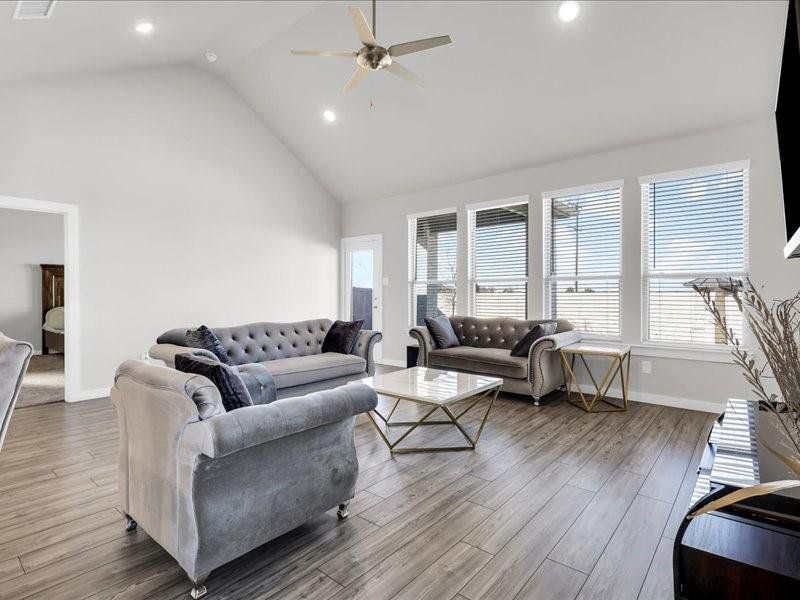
(647, 366)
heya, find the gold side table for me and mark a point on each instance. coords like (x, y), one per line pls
(620, 364)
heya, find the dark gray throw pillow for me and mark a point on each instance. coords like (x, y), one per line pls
(204, 338)
(442, 331)
(342, 336)
(231, 387)
(523, 346)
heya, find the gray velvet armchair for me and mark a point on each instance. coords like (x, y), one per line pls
(486, 349)
(14, 359)
(208, 491)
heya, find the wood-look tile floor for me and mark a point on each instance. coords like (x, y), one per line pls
(553, 504)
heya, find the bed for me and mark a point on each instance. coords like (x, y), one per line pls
(52, 308)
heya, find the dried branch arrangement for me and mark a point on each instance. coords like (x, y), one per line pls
(776, 328)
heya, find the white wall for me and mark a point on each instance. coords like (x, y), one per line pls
(696, 383)
(27, 239)
(191, 211)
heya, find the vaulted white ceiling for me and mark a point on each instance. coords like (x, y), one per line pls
(517, 87)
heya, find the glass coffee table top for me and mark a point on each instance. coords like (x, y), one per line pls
(431, 386)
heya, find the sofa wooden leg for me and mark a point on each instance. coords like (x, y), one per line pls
(343, 511)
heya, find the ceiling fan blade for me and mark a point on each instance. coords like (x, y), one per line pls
(354, 80)
(362, 27)
(341, 53)
(397, 69)
(419, 45)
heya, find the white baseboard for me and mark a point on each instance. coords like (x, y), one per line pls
(708, 406)
(92, 394)
(391, 362)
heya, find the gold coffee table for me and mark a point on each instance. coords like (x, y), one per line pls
(620, 363)
(433, 389)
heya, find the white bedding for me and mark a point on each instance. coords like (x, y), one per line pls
(54, 320)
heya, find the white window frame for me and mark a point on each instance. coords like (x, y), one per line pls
(412, 259)
(646, 275)
(547, 201)
(472, 280)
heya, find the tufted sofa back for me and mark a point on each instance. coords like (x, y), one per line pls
(497, 333)
(258, 342)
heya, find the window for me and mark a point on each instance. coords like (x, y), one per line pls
(582, 257)
(694, 225)
(498, 285)
(433, 243)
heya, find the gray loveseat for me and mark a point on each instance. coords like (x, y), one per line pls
(291, 352)
(486, 349)
(209, 491)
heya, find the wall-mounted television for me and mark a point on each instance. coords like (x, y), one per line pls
(787, 119)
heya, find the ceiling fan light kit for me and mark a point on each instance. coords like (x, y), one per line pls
(374, 57)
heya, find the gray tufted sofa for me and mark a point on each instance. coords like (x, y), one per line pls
(486, 349)
(291, 352)
(210, 491)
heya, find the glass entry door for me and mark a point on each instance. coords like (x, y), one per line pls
(362, 289)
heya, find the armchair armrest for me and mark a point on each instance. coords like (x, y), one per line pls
(425, 341)
(544, 364)
(167, 352)
(365, 345)
(254, 425)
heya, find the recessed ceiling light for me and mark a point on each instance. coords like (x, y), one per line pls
(329, 115)
(568, 11)
(144, 28)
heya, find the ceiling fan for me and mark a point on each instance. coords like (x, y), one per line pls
(374, 57)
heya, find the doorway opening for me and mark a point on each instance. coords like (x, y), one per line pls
(38, 301)
(362, 282)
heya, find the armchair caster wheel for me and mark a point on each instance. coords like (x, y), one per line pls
(198, 591)
(343, 512)
(130, 524)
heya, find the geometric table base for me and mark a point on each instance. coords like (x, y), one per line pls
(599, 402)
(452, 420)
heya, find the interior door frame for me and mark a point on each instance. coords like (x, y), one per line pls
(373, 242)
(72, 391)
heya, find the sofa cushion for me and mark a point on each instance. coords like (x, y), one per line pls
(523, 346)
(231, 387)
(485, 361)
(441, 331)
(204, 338)
(300, 370)
(341, 337)
(259, 382)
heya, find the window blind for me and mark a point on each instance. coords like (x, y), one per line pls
(432, 266)
(582, 259)
(692, 227)
(499, 261)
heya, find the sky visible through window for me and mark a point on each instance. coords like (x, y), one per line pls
(695, 228)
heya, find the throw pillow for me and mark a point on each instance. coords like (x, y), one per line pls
(203, 337)
(523, 346)
(231, 387)
(442, 331)
(341, 337)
